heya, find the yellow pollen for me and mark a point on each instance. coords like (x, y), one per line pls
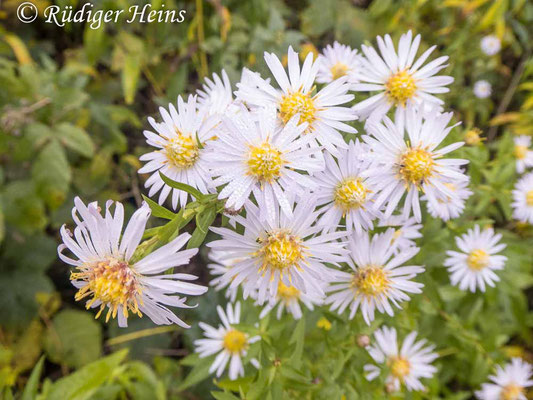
(400, 87)
(520, 152)
(371, 281)
(350, 194)
(338, 70)
(529, 198)
(416, 166)
(295, 103)
(281, 250)
(113, 283)
(265, 162)
(477, 259)
(399, 367)
(182, 151)
(511, 392)
(235, 341)
(287, 292)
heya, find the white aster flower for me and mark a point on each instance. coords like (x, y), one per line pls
(490, 45)
(230, 343)
(482, 89)
(407, 365)
(216, 96)
(322, 111)
(263, 158)
(474, 266)
(377, 280)
(413, 164)
(523, 199)
(107, 275)
(448, 207)
(337, 61)
(344, 192)
(522, 153)
(405, 231)
(291, 249)
(179, 155)
(221, 264)
(509, 382)
(288, 297)
(401, 82)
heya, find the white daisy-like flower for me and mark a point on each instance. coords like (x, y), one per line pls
(405, 231)
(322, 111)
(407, 364)
(490, 45)
(263, 158)
(522, 153)
(473, 267)
(107, 275)
(230, 343)
(344, 192)
(482, 89)
(216, 96)
(413, 164)
(377, 278)
(289, 249)
(337, 61)
(509, 383)
(523, 199)
(289, 298)
(401, 82)
(221, 264)
(180, 153)
(448, 207)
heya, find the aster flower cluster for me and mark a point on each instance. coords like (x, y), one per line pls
(319, 213)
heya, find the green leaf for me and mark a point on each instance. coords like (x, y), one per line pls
(199, 372)
(182, 186)
(203, 222)
(30, 390)
(75, 139)
(130, 76)
(73, 339)
(159, 211)
(224, 396)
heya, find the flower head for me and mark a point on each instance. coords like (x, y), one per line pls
(523, 199)
(448, 207)
(337, 61)
(523, 153)
(490, 45)
(216, 97)
(509, 383)
(482, 89)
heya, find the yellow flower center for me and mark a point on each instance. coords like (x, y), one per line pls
(287, 292)
(281, 250)
(235, 341)
(511, 392)
(350, 194)
(416, 165)
(112, 282)
(324, 324)
(371, 281)
(182, 151)
(400, 87)
(297, 103)
(399, 367)
(473, 137)
(477, 259)
(520, 152)
(529, 198)
(339, 70)
(265, 162)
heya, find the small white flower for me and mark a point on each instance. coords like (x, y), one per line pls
(405, 231)
(490, 45)
(288, 297)
(523, 199)
(377, 280)
(522, 153)
(482, 89)
(407, 365)
(474, 266)
(413, 164)
(106, 274)
(448, 207)
(337, 61)
(216, 96)
(260, 157)
(222, 263)
(401, 82)
(322, 112)
(179, 156)
(345, 192)
(291, 249)
(230, 343)
(509, 382)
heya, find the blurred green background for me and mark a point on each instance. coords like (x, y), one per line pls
(73, 104)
